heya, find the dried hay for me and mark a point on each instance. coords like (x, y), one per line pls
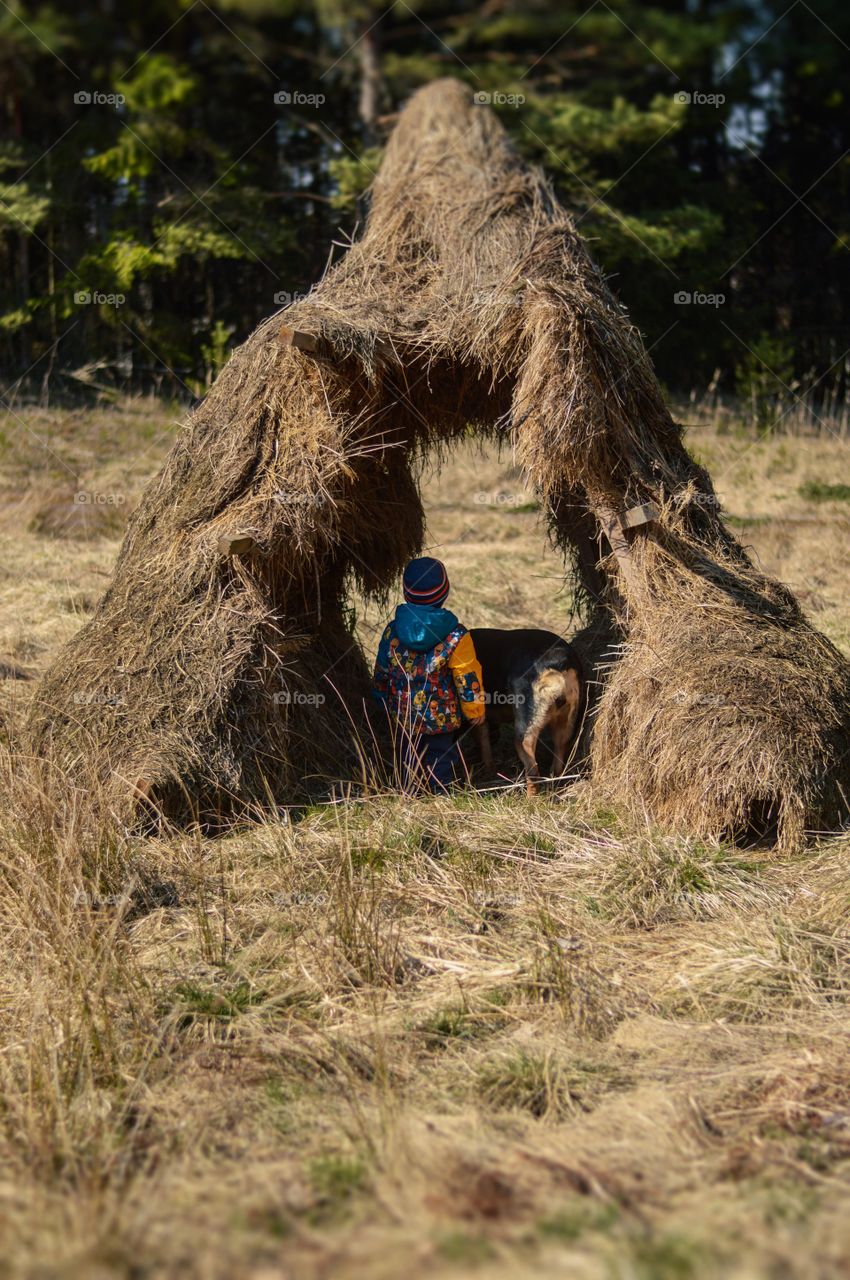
(469, 300)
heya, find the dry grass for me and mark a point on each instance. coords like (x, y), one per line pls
(422, 1036)
(473, 1035)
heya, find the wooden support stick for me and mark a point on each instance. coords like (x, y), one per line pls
(613, 528)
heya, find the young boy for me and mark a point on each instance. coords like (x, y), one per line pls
(428, 678)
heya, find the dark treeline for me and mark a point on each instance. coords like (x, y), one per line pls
(174, 171)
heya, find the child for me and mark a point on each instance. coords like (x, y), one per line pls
(428, 677)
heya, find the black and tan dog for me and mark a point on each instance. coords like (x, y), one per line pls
(534, 679)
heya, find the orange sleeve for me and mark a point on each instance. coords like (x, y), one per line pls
(466, 670)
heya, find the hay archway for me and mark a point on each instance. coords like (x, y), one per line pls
(470, 298)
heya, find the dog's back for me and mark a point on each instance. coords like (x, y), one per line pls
(511, 655)
(534, 678)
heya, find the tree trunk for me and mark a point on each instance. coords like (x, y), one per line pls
(370, 80)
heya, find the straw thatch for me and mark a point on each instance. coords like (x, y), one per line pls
(469, 299)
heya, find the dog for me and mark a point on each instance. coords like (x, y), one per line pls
(536, 679)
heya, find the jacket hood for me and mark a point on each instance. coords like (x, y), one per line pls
(421, 626)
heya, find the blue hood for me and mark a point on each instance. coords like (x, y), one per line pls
(421, 626)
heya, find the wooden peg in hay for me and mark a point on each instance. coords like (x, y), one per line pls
(289, 337)
(637, 516)
(309, 344)
(235, 544)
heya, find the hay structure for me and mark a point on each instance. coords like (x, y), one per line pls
(469, 299)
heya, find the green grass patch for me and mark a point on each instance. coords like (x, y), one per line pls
(602, 818)
(748, 522)
(464, 1249)
(669, 1257)
(573, 1221)
(544, 1085)
(445, 1025)
(664, 880)
(535, 842)
(820, 491)
(459, 1024)
(202, 1003)
(369, 856)
(281, 1099)
(336, 1179)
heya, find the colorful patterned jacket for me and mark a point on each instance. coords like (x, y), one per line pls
(426, 671)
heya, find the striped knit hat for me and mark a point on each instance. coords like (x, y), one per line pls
(425, 581)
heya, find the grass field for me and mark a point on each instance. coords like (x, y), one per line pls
(477, 1034)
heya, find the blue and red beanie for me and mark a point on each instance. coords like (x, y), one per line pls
(425, 581)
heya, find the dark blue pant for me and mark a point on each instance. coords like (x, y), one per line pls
(427, 760)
